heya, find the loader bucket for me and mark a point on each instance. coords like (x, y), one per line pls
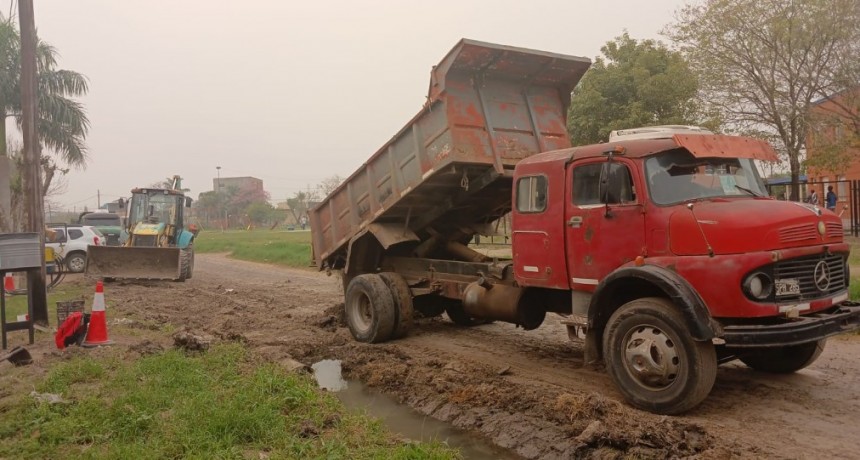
(133, 262)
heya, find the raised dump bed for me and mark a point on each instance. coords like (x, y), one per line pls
(449, 170)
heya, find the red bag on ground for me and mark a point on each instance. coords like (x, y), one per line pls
(68, 331)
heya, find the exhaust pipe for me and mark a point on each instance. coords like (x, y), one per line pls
(499, 302)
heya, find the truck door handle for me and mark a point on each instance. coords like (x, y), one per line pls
(575, 222)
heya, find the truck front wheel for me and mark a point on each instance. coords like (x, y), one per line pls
(654, 361)
(784, 360)
(369, 306)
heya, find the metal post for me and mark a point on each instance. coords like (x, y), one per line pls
(32, 178)
(218, 195)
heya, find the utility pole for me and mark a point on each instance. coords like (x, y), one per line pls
(99, 198)
(32, 177)
(218, 195)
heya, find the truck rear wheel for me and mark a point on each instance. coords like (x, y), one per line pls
(654, 361)
(402, 296)
(369, 306)
(784, 360)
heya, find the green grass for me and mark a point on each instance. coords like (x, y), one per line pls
(854, 257)
(17, 304)
(292, 249)
(220, 404)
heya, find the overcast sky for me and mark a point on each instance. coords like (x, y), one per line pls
(287, 91)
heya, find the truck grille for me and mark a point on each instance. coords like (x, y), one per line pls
(797, 233)
(145, 240)
(804, 268)
(834, 230)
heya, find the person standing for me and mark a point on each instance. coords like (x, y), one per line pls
(830, 199)
(813, 197)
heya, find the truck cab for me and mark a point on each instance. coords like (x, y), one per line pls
(676, 224)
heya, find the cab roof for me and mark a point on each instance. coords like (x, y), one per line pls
(699, 145)
(165, 191)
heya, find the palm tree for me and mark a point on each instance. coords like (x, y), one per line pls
(62, 122)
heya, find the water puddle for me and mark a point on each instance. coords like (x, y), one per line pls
(401, 419)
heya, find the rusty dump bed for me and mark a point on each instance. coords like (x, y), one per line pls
(451, 166)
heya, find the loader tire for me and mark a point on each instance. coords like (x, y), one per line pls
(403, 309)
(369, 307)
(186, 263)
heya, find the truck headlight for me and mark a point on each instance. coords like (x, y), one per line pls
(758, 286)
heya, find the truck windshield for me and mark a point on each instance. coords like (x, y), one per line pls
(676, 176)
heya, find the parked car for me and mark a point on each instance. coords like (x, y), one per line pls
(108, 223)
(70, 242)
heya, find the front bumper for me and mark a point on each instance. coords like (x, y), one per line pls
(793, 331)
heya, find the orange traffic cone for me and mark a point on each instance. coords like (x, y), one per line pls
(97, 331)
(9, 283)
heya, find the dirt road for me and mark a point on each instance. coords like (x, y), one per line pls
(526, 391)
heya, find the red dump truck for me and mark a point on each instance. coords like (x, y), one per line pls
(659, 248)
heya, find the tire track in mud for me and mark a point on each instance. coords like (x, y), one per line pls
(525, 390)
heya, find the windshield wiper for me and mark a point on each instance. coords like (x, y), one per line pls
(748, 191)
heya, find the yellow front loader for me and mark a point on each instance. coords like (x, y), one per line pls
(155, 244)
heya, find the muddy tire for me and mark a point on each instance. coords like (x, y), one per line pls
(76, 262)
(369, 307)
(186, 263)
(784, 360)
(402, 296)
(654, 361)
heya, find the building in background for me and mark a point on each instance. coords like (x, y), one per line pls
(240, 183)
(835, 132)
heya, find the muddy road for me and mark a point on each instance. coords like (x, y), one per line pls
(526, 391)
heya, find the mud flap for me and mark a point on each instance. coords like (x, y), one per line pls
(133, 263)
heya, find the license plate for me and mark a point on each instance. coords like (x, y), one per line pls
(788, 286)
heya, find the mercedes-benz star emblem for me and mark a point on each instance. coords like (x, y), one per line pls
(822, 276)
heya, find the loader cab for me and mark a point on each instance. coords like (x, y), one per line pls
(155, 214)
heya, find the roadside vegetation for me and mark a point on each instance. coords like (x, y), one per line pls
(288, 248)
(220, 404)
(65, 291)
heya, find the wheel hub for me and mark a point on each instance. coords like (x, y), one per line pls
(362, 313)
(651, 357)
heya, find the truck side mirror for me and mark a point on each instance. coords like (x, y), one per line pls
(187, 201)
(120, 203)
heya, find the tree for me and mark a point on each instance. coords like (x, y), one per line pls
(260, 212)
(761, 63)
(62, 123)
(167, 183)
(298, 204)
(635, 83)
(329, 184)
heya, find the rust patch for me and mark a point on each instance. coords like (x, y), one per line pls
(589, 234)
(588, 260)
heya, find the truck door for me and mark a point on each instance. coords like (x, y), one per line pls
(600, 238)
